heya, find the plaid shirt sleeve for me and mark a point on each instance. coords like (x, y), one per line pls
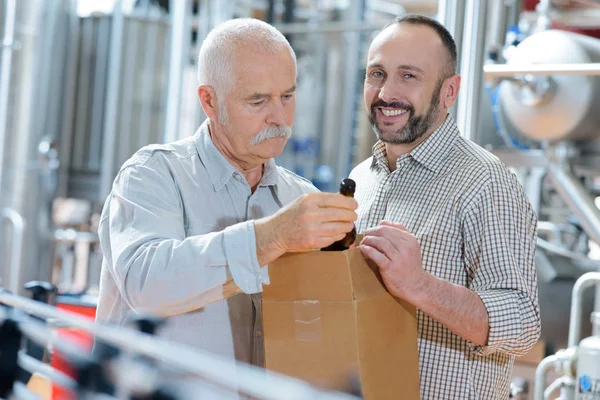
(499, 229)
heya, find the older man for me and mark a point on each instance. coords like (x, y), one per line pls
(447, 223)
(189, 227)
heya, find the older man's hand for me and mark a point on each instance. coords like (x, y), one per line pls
(313, 221)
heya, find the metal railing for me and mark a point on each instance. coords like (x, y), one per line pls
(133, 363)
(18, 231)
(564, 361)
(492, 71)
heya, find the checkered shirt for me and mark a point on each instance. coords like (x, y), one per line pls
(475, 228)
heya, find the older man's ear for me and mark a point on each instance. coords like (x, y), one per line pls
(208, 101)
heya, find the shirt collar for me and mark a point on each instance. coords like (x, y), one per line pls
(379, 155)
(270, 174)
(218, 168)
(431, 153)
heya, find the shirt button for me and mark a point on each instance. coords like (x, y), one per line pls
(259, 334)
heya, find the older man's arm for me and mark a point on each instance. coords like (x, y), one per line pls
(159, 270)
(156, 268)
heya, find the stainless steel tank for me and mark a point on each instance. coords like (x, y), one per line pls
(33, 78)
(569, 109)
(142, 81)
(53, 121)
(588, 364)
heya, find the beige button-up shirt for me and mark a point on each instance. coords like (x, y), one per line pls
(475, 228)
(177, 235)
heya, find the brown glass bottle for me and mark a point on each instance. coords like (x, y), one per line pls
(347, 188)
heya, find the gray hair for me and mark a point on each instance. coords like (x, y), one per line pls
(217, 54)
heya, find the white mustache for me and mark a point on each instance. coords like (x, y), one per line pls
(272, 132)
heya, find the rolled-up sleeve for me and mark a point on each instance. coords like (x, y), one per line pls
(240, 250)
(156, 268)
(499, 231)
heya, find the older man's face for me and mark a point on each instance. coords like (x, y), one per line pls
(260, 109)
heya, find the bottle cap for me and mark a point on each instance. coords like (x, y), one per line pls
(348, 184)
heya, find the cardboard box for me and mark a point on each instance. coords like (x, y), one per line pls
(328, 318)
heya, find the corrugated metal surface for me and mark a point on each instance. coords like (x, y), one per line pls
(141, 101)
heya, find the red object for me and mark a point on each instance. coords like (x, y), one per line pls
(593, 32)
(80, 337)
(529, 5)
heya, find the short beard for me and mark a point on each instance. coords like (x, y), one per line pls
(416, 126)
(272, 132)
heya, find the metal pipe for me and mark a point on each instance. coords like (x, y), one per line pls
(451, 13)
(246, 379)
(148, 85)
(33, 365)
(73, 236)
(352, 64)
(557, 229)
(109, 132)
(56, 71)
(82, 118)
(467, 113)
(178, 38)
(329, 27)
(162, 102)
(5, 74)
(288, 17)
(21, 392)
(204, 21)
(164, 20)
(583, 206)
(492, 71)
(94, 147)
(288, 10)
(563, 383)
(37, 332)
(540, 376)
(18, 233)
(518, 158)
(577, 198)
(578, 257)
(62, 36)
(130, 45)
(544, 11)
(46, 50)
(270, 16)
(585, 281)
(498, 19)
(515, 11)
(66, 135)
